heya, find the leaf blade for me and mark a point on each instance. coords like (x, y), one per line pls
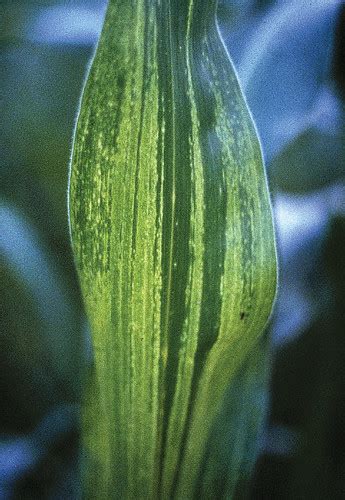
(172, 231)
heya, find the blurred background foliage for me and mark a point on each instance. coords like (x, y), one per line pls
(290, 59)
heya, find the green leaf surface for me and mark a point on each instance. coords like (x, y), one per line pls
(172, 232)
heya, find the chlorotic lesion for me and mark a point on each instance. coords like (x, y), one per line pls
(172, 232)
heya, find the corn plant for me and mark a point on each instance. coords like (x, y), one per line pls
(172, 233)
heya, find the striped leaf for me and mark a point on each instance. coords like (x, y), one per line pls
(172, 233)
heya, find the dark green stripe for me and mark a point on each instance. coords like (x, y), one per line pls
(176, 184)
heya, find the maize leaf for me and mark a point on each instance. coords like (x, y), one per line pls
(172, 233)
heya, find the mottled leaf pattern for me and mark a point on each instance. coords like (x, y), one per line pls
(172, 233)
